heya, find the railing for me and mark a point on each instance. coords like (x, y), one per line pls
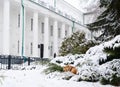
(17, 62)
(52, 8)
(59, 12)
(67, 16)
(42, 3)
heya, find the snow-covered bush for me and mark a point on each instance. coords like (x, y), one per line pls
(65, 60)
(115, 80)
(104, 52)
(89, 73)
(96, 54)
(95, 65)
(110, 72)
(112, 48)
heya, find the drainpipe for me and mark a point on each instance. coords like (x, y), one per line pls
(22, 51)
(73, 26)
(54, 3)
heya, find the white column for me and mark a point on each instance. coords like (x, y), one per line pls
(35, 34)
(63, 31)
(70, 31)
(55, 40)
(6, 27)
(46, 37)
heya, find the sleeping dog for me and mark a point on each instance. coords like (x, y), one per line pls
(72, 69)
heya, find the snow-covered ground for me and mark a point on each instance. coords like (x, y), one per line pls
(35, 78)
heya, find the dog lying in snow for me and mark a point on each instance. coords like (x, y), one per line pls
(72, 69)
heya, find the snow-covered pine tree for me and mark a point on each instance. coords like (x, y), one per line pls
(109, 21)
(76, 44)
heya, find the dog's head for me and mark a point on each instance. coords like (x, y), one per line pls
(66, 68)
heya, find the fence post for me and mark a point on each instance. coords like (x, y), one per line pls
(28, 61)
(9, 62)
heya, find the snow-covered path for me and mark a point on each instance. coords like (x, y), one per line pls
(34, 78)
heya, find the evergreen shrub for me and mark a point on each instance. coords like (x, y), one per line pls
(115, 80)
(53, 67)
(76, 44)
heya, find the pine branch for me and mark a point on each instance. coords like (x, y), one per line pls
(108, 21)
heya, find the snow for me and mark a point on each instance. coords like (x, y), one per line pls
(87, 65)
(35, 78)
(113, 43)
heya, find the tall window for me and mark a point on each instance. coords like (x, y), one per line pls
(31, 48)
(18, 20)
(51, 30)
(42, 28)
(65, 32)
(31, 24)
(59, 32)
(18, 46)
(51, 50)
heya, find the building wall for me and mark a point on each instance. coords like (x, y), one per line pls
(14, 30)
(1, 25)
(30, 8)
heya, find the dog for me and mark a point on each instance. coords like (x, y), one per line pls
(72, 69)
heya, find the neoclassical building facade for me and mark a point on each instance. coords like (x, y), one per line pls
(24, 24)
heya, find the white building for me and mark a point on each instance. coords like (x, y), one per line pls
(40, 22)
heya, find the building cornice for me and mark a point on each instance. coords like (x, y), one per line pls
(57, 13)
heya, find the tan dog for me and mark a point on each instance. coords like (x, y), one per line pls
(70, 68)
